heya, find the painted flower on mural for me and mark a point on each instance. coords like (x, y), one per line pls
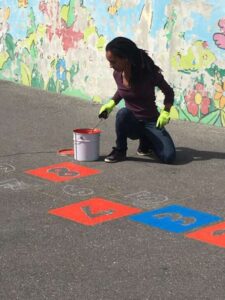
(22, 3)
(219, 96)
(69, 36)
(113, 9)
(197, 100)
(64, 28)
(61, 69)
(219, 38)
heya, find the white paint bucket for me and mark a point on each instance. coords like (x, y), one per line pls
(86, 144)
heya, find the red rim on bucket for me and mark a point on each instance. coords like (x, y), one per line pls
(87, 130)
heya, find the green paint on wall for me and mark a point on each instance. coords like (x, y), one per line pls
(51, 86)
(37, 80)
(76, 93)
(34, 51)
(212, 118)
(216, 72)
(169, 26)
(32, 28)
(10, 45)
(71, 14)
(67, 13)
(73, 71)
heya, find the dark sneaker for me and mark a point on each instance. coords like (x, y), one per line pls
(115, 156)
(144, 152)
(144, 148)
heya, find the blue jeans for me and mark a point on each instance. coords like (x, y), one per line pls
(159, 140)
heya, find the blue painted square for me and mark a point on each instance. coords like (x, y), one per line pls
(175, 218)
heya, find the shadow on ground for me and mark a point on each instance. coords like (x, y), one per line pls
(184, 156)
(187, 155)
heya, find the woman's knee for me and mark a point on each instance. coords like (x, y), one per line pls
(122, 114)
(168, 157)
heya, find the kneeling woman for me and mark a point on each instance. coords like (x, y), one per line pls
(137, 76)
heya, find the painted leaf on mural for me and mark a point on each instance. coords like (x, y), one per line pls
(223, 118)
(32, 28)
(101, 43)
(71, 14)
(214, 70)
(212, 118)
(67, 13)
(174, 113)
(10, 45)
(25, 74)
(64, 85)
(33, 51)
(184, 115)
(3, 59)
(37, 79)
(75, 68)
(51, 86)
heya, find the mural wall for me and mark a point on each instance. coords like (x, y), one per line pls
(58, 45)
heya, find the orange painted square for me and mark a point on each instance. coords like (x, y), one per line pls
(62, 172)
(214, 235)
(94, 211)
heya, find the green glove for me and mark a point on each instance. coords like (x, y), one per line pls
(163, 119)
(106, 109)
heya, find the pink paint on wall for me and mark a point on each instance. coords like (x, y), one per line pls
(69, 36)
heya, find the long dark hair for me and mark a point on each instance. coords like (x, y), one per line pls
(142, 65)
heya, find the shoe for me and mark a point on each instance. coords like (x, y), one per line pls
(144, 152)
(115, 156)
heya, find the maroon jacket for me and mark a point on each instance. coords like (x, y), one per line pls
(141, 100)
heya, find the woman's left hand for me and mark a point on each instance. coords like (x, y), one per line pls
(163, 119)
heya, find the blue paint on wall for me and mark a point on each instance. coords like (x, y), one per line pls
(19, 17)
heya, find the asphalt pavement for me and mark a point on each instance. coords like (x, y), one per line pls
(138, 229)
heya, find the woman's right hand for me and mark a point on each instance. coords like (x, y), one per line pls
(106, 109)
